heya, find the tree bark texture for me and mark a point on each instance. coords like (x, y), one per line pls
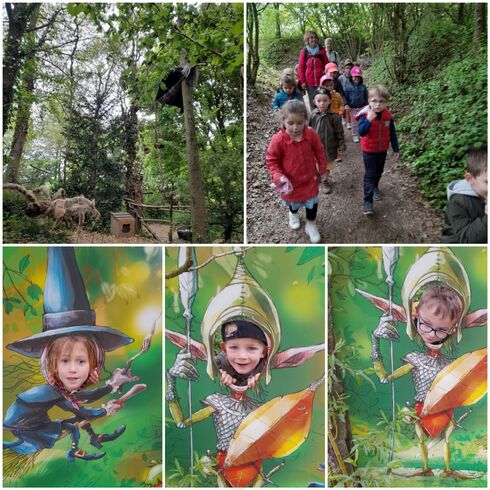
(134, 177)
(339, 428)
(199, 213)
(277, 20)
(19, 15)
(479, 26)
(21, 129)
(253, 60)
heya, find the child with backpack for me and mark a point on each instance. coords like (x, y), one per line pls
(328, 126)
(356, 97)
(295, 160)
(312, 60)
(377, 131)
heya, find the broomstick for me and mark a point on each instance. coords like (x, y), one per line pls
(16, 465)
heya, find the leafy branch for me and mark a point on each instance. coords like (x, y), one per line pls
(34, 292)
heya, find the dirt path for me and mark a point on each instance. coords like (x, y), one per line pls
(401, 217)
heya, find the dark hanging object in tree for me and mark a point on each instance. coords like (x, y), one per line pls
(172, 94)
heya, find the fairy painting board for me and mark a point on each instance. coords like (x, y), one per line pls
(257, 413)
(408, 357)
(82, 359)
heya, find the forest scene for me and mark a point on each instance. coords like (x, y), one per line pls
(432, 58)
(198, 278)
(123, 122)
(362, 410)
(124, 286)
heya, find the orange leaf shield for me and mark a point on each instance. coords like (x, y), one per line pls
(275, 429)
(462, 383)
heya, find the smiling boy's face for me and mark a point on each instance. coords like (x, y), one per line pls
(434, 325)
(244, 354)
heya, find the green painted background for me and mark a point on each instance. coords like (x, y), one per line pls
(298, 293)
(128, 460)
(354, 318)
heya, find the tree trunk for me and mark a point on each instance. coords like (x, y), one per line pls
(19, 15)
(253, 60)
(134, 179)
(21, 129)
(199, 213)
(277, 20)
(479, 26)
(339, 428)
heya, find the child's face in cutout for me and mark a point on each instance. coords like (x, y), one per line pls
(479, 184)
(328, 84)
(322, 101)
(377, 103)
(434, 326)
(73, 366)
(294, 125)
(288, 88)
(347, 70)
(356, 80)
(244, 354)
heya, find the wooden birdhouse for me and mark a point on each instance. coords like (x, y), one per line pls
(123, 224)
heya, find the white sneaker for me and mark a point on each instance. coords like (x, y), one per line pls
(294, 221)
(348, 126)
(355, 139)
(312, 231)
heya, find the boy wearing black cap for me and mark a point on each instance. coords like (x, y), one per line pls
(243, 353)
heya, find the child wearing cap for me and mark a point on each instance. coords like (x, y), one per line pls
(356, 97)
(329, 129)
(243, 353)
(333, 70)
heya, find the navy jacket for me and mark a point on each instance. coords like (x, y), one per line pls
(356, 96)
(27, 418)
(282, 97)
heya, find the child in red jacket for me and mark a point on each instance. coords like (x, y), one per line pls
(377, 131)
(296, 157)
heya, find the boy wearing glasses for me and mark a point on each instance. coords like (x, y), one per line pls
(377, 131)
(435, 319)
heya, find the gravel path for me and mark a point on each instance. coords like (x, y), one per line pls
(402, 216)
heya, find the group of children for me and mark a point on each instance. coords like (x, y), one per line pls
(303, 152)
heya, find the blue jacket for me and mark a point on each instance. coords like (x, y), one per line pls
(27, 418)
(356, 96)
(282, 97)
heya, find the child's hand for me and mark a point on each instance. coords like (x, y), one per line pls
(277, 180)
(226, 378)
(396, 155)
(252, 381)
(371, 116)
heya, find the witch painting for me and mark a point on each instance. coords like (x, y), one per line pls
(71, 350)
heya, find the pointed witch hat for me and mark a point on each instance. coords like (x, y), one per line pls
(66, 309)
